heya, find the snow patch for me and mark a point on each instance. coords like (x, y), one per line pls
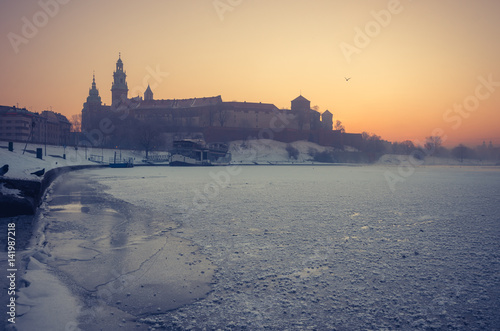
(22, 164)
(8, 191)
(265, 151)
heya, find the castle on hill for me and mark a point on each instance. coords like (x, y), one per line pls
(129, 120)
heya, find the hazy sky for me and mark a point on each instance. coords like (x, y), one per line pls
(418, 67)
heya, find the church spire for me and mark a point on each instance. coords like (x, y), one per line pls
(93, 80)
(148, 94)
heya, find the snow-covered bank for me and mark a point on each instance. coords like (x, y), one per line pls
(27, 177)
(22, 163)
(265, 151)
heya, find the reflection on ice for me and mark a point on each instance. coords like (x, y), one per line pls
(118, 257)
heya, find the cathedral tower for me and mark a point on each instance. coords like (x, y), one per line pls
(119, 89)
(91, 107)
(327, 120)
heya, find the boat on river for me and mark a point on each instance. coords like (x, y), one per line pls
(118, 162)
(196, 153)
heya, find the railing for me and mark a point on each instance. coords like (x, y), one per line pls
(128, 160)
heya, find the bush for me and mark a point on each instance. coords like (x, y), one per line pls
(293, 153)
(325, 156)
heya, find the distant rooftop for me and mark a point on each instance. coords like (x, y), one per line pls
(14, 109)
(251, 105)
(178, 103)
(300, 98)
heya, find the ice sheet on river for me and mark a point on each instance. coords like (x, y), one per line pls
(119, 261)
(294, 247)
(333, 247)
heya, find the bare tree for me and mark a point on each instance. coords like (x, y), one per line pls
(432, 144)
(339, 126)
(293, 153)
(406, 147)
(211, 116)
(148, 137)
(373, 143)
(461, 152)
(222, 116)
(76, 123)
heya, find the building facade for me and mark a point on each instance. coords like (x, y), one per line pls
(22, 125)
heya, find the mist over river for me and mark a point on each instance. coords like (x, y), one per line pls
(284, 247)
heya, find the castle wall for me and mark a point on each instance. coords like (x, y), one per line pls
(352, 139)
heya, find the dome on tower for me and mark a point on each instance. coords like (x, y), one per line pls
(93, 98)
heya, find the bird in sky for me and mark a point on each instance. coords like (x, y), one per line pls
(347, 79)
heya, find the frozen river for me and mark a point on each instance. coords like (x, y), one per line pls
(280, 247)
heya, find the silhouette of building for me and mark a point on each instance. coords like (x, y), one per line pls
(148, 94)
(327, 120)
(209, 118)
(57, 129)
(22, 125)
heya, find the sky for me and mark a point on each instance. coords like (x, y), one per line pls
(417, 67)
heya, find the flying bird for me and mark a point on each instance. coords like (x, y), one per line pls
(347, 79)
(39, 173)
(4, 169)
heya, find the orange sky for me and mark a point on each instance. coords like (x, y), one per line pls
(414, 66)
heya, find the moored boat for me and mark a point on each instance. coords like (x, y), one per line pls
(196, 153)
(119, 162)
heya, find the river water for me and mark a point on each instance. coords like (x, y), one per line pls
(279, 247)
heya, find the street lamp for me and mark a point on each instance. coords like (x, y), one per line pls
(45, 138)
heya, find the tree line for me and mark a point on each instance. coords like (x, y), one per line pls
(375, 145)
